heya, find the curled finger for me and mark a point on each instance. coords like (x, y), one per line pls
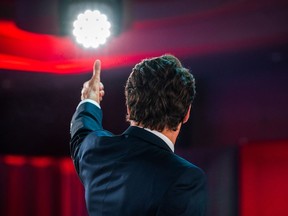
(101, 93)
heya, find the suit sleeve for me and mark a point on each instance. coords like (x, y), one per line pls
(187, 196)
(86, 119)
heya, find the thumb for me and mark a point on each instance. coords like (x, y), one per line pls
(96, 72)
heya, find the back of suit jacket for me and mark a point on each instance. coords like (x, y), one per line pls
(132, 174)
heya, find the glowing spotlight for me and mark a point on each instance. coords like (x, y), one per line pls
(91, 28)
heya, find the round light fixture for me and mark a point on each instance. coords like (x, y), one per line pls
(91, 28)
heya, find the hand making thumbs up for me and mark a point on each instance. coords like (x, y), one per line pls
(93, 89)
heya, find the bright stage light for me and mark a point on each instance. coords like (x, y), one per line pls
(91, 28)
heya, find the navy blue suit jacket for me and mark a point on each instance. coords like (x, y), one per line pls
(134, 173)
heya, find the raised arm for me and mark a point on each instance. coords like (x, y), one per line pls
(88, 115)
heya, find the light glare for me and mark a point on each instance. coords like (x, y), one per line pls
(91, 28)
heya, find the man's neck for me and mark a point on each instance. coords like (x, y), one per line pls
(170, 134)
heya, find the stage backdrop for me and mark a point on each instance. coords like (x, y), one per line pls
(264, 179)
(40, 186)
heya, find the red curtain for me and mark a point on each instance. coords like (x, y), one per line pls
(41, 186)
(264, 179)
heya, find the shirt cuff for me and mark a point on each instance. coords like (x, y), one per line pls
(89, 101)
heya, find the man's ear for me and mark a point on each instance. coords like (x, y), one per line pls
(186, 118)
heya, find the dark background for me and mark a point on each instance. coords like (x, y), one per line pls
(238, 131)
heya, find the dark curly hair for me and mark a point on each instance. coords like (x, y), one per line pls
(159, 92)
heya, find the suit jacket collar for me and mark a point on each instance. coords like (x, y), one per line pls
(147, 136)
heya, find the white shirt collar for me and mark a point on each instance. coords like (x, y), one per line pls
(163, 137)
